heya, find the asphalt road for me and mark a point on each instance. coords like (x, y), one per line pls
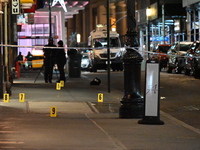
(179, 94)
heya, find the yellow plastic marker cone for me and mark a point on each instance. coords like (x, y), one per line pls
(100, 97)
(53, 112)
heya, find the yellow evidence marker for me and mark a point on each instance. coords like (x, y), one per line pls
(6, 98)
(62, 83)
(100, 97)
(21, 97)
(53, 112)
(58, 87)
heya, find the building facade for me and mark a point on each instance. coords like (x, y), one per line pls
(193, 19)
(94, 14)
(169, 21)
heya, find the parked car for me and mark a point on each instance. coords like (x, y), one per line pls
(176, 56)
(85, 62)
(192, 60)
(159, 54)
(162, 57)
(36, 62)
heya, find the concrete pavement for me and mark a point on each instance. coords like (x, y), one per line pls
(82, 123)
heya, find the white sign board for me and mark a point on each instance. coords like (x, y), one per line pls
(15, 7)
(152, 85)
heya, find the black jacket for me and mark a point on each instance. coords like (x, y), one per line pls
(60, 56)
(49, 53)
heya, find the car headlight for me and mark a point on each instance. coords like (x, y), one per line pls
(119, 54)
(84, 61)
(190, 55)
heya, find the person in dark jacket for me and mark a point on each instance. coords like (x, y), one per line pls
(60, 60)
(19, 57)
(49, 55)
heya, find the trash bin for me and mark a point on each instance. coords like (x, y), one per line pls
(74, 63)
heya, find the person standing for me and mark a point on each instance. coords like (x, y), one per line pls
(60, 60)
(49, 60)
(29, 57)
(19, 57)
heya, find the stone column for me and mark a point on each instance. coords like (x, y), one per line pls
(120, 13)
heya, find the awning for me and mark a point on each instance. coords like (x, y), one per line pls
(73, 7)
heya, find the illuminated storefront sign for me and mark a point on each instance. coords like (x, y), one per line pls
(62, 4)
(15, 7)
(26, 1)
(159, 38)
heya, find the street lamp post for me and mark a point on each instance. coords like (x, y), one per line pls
(108, 43)
(6, 38)
(50, 29)
(132, 101)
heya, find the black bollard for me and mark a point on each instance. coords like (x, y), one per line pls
(74, 63)
(132, 102)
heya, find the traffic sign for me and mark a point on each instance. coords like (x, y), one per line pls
(15, 7)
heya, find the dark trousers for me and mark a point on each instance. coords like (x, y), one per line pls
(48, 70)
(61, 70)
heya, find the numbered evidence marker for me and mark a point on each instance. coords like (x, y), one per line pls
(6, 98)
(53, 112)
(62, 83)
(21, 97)
(58, 86)
(100, 97)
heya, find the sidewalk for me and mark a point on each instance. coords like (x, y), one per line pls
(82, 123)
